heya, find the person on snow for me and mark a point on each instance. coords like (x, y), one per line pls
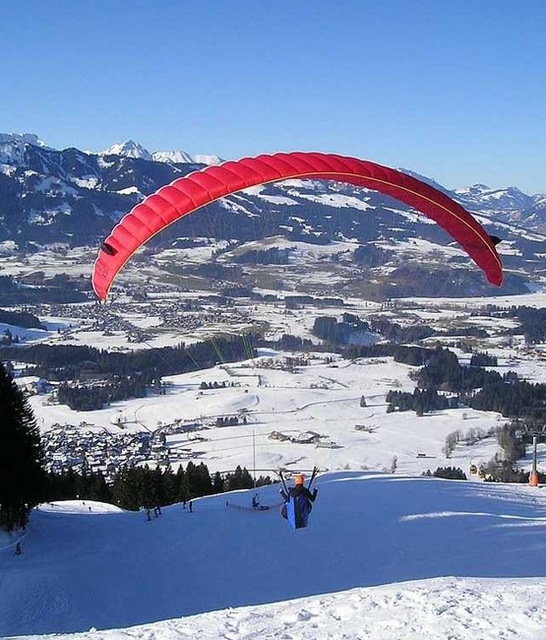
(299, 490)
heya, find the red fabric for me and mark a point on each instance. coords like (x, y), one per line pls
(199, 188)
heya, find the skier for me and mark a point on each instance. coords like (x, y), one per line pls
(18, 550)
(298, 502)
(191, 506)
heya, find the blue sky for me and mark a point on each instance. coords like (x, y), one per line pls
(453, 89)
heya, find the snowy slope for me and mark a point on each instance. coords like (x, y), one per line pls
(436, 609)
(115, 569)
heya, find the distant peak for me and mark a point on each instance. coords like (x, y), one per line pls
(182, 157)
(172, 157)
(474, 189)
(13, 146)
(129, 148)
(21, 138)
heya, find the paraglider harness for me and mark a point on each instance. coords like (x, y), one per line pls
(298, 501)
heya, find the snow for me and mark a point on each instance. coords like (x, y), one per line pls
(181, 157)
(208, 159)
(336, 200)
(25, 335)
(421, 247)
(133, 149)
(12, 147)
(434, 609)
(8, 247)
(282, 200)
(129, 148)
(88, 182)
(379, 560)
(86, 507)
(7, 169)
(129, 191)
(172, 157)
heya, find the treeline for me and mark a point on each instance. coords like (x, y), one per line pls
(467, 332)
(136, 487)
(368, 255)
(407, 355)
(533, 323)
(512, 398)
(342, 331)
(214, 385)
(481, 389)
(50, 292)
(229, 421)
(66, 362)
(20, 319)
(329, 329)
(480, 359)
(443, 371)
(94, 397)
(263, 256)
(421, 401)
(396, 333)
(449, 473)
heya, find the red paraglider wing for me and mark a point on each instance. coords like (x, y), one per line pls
(200, 188)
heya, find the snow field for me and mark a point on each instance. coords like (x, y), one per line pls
(115, 569)
(277, 400)
(436, 609)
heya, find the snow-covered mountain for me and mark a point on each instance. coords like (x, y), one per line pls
(129, 148)
(172, 157)
(12, 147)
(132, 149)
(71, 196)
(507, 199)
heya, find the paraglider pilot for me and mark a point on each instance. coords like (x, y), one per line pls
(298, 502)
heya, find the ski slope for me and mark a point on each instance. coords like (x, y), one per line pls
(481, 544)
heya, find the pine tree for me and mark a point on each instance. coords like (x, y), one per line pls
(22, 475)
(217, 483)
(183, 489)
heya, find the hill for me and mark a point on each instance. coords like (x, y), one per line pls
(106, 568)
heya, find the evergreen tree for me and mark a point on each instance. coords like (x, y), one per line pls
(217, 483)
(22, 476)
(169, 486)
(182, 485)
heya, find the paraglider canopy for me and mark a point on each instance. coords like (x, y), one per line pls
(190, 193)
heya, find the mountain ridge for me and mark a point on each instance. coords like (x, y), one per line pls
(73, 197)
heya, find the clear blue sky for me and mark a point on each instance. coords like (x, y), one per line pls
(454, 89)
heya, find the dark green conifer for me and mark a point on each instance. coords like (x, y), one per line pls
(22, 476)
